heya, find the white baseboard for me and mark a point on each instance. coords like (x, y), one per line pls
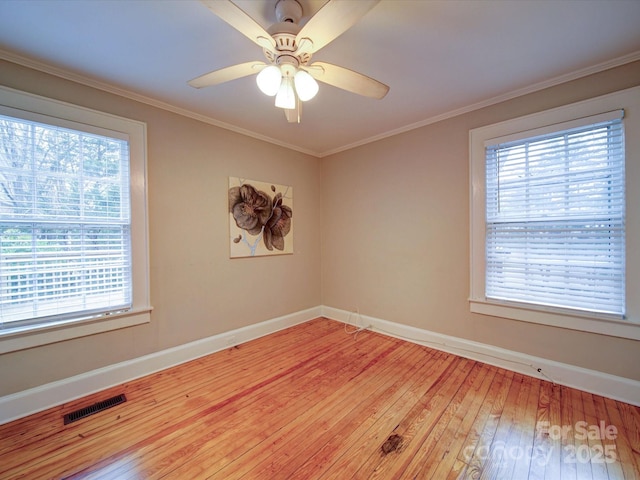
(592, 381)
(40, 398)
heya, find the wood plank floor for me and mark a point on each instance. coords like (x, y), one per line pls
(312, 402)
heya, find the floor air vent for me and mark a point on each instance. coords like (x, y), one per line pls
(95, 408)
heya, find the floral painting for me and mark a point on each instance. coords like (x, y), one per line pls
(260, 218)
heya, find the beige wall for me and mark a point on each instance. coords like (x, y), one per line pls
(395, 241)
(390, 220)
(196, 290)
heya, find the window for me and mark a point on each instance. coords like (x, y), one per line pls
(72, 230)
(65, 223)
(555, 232)
(551, 224)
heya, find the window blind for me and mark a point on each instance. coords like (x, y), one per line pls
(555, 217)
(65, 231)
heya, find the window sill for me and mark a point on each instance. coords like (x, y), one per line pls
(20, 339)
(592, 324)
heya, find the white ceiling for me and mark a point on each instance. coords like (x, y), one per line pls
(438, 56)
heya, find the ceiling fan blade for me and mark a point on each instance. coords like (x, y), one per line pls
(332, 20)
(226, 74)
(238, 19)
(347, 79)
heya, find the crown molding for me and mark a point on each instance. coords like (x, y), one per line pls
(90, 82)
(616, 62)
(131, 95)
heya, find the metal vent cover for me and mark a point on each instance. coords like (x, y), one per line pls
(95, 408)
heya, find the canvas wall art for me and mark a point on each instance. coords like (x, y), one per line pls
(260, 218)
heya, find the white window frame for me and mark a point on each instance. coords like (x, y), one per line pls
(629, 327)
(32, 107)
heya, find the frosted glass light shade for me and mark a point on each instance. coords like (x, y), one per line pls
(306, 85)
(269, 80)
(286, 97)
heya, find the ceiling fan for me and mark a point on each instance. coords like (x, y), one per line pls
(288, 74)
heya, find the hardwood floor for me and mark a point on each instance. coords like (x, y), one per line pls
(312, 402)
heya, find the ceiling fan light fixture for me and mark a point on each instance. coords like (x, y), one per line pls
(269, 80)
(286, 96)
(306, 85)
(288, 47)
